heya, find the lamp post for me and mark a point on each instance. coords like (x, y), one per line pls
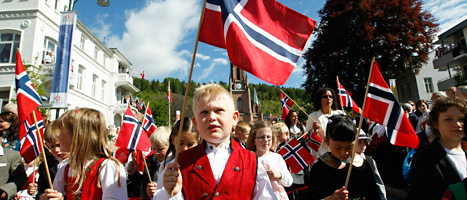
(103, 3)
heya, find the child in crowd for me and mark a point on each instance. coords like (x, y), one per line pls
(444, 161)
(242, 130)
(91, 172)
(159, 145)
(281, 132)
(360, 158)
(260, 141)
(51, 139)
(330, 170)
(188, 140)
(217, 167)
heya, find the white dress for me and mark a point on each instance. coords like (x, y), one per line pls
(276, 162)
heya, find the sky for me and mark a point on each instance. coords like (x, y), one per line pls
(158, 36)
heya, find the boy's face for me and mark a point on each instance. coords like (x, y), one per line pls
(361, 147)
(451, 125)
(214, 118)
(55, 150)
(339, 149)
(282, 137)
(243, 135)
(159, 151)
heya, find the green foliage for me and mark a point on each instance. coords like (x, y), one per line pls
(155, 92)
(460, 78)
(397, 32)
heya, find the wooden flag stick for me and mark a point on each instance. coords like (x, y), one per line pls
(42, 149)
(359, 125)
(145, 112)
(339, 89)
(298, 106)
(34, 172)
(182, 119)
(146, 166)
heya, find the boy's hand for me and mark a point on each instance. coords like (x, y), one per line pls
(52, 195)
(273, 174)
(173, 179)
(32, 188)
(131, 168)
(341, 193)
(151, 189)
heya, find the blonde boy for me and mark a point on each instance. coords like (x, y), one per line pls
(282, 132)
(242, 130)
(217, 167)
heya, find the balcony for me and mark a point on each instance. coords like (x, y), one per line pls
(125, 81)
(446, 83)
(452, 57)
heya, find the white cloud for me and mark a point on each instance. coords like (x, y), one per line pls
(100, 28)
(207, 71)
(202, 57)
(448, 13)
(154, 35)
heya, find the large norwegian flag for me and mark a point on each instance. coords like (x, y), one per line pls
(383, 108)
(312, 140)
(286, 104)
(28, 101)
(131, 135)
(148, 122)
(262, 37)
(296, 155)
(345, 99)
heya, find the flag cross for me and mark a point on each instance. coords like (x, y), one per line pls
(292, 152)
(149, 122)
(136, 134)
(32, 136)
(284, 102)
(347, 96)
(24, 86)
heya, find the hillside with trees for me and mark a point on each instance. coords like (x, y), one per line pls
(155, 92)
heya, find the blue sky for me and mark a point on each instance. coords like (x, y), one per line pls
(158, 36)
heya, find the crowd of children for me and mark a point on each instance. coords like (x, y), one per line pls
(220, 157)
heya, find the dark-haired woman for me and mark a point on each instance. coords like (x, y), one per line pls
(325, 106)
(9, 130)
(296, 128)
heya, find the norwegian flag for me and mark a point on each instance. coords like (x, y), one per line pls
(312, 141)
(28, 101)
(286, 104)
(131, 135)
(148, 122)
(296, 155)
(345, 99)
(264, 38)
(169, 94)
(140, 105)
(383, 108)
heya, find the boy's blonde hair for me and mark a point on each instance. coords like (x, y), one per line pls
(51, 132)
(89, 141)
(280, 127)
(250, 143)
(242, 127)
(160, 136)
(216, 91)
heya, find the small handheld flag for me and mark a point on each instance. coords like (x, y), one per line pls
(131, 135)
(345, 99)
(286, 104)
(296, 155)
(148, 122)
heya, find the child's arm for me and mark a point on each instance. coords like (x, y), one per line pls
(172, 180)
(341, 193)
(50, 194)
(151, 189)
(286, 180)
(113, 180)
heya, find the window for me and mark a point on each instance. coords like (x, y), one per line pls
(239, 104)
(105, 61)
(79, 85)
(103, 90)
(94, 85)
(428, 85)
(48, 53)
(9, 42)
(96, 52)
(82, 42)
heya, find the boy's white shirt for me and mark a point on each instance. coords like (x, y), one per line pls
(218, 158)
(107, 176)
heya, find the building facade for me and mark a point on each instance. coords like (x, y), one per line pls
(99, 76)
(248, 107)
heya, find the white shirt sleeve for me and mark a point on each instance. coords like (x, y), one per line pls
(263, 188)
(59, 183)
(109, 176)
(286, 179)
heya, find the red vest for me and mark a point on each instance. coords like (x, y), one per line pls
(237, 181)
(89, 190)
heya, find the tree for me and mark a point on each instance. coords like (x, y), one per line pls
(397, 32)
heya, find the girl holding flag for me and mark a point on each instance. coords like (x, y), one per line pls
(91, 172)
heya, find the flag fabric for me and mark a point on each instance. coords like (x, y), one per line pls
(286, 104)
(169, 94)
(148, 122)
(28, 101)
(312, 140)
(131, 135)
(142, 75)
(140, 105)
(383, 108)
(296, 155)
(345, 99)
(262, 37)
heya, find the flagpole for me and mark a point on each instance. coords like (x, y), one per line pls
(42, 149)
(170, 94)
(145, 112)
(146, 167)
(359, 125)
(339, 89)
(182, 119)
(298, 106)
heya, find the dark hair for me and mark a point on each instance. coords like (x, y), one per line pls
(341, 128)
(12, 133)
(250, 142)
(441, 106)
(317, 100)
(419, 102)
(289, 123)
(187, 127)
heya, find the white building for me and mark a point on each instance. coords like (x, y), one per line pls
(99, 77)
